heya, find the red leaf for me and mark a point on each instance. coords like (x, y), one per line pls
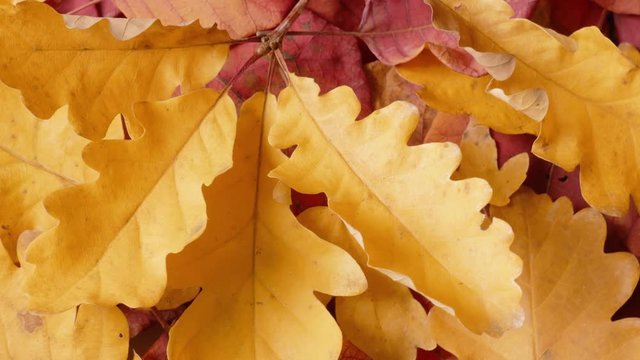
(628, 28)
(104, 8)
(331, 61)
(567, 16)
(395, 45)
(157, 351)
(621, 6)
(522, 8)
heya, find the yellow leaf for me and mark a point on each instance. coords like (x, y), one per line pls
(480, 159)
(90, 332)
(96, 74)
(258, 267)
(115, 233)
(630, 52)
(571, 290)
(592, 121)
(456, 93)
(414, 220)
(36, 158)
(385, 321)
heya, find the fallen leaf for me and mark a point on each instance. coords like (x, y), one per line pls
(385, 321)
(401, 199)
(97, 75)
(522, 8)
(567, 16)
(480, 159)
(591, 121)
(257, 266)
(571, 290)
(36, 158)
(446, 127)
(89, 332)
(627, 30)
(146, 203)
(621, 6)
(464, 95)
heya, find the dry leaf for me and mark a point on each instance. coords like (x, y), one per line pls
(571, 290)
(451, 92)
(96, 74)
(385, 321)
(258, 267)
(415, 222)
(480, 159)
(591, 120)
(146, 203)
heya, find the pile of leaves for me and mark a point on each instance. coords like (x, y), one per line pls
(319, 179)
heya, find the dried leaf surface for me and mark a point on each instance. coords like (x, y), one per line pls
(385, 321)
(258, 267)
(591, 120)
(480, 159)
(401, 199)
(95, 73)
(146, 203)
(571, 290)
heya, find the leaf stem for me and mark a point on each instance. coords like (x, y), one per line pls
(358, 33)
(165, 326)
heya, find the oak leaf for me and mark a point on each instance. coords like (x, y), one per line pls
(480, 159)
(385, 321)
(401, 199)
(464, 95)
(257, 266)
(571, 290)
(591, 120)
(98, 75)
(146, 203)
(87, 333)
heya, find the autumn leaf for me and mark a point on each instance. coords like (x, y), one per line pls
(384, 321)
(150, 189)
(621, 6)
(626, 26)
(89, 332)
(257, 266)
(591, 121)
(480, 159)
(464, 95)
(98, 75)
(401, 199)
(571, 290)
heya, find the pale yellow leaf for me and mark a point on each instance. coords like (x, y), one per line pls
(593, 94)
(95, 73)
(451, 92)
(385, 321)
(258, 267)
(36, 158)
(87, 333)
(146, 203)
(480, 159)
(571, 290)
(414, 220)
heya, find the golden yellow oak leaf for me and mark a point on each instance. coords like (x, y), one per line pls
(98, 75)
(480, 159)
(87, 333)
(415, 221)
(258, 267)
(592, 120)
(115, 233)
(385, 321)
(571, 290)
(36, 158)
(630, 52)
(456, 93)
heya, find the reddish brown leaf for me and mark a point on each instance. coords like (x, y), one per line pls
(567, 16)
(621, 6)
(447, 127)
(628, 28)
(158, 350)
(563, 183)
(351, 352)
(332, 61)
(399, 30)
(138, 319)
(522, 8)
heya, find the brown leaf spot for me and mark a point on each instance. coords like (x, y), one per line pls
(30, 322)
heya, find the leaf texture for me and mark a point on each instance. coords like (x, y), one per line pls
(401, 199)
(258, 267)
(571, 290)
(146, 203)
(592, 121)
(385, 321)
(480, 159)
(87, 333)
(96, 74)
(464, 95)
